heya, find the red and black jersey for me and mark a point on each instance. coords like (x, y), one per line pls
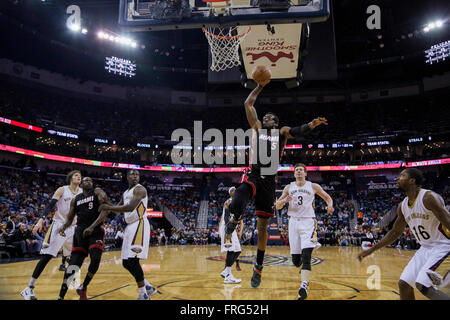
(86, 209)
(264, 142)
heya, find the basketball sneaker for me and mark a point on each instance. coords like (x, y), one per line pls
(318, 245)
(151, 290)
(303, 291)
(82, 293)
(28, 293)
(143, 296)
(230, 279)
(224, 273)
(256, 278)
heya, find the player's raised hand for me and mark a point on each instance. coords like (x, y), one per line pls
(317, 122)
(330, 210)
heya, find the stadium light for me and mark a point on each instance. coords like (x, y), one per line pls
(117, 39)
(433, 25)
(84, 31)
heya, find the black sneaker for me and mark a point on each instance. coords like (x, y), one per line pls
(302, 292)
(256, 278)
(62, 268)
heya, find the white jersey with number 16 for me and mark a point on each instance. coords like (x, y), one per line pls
(427, 229)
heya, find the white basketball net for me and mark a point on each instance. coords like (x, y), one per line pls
(224, 46)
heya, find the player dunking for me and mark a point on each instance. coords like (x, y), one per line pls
(53, 241)
(302, 221)
(255, 185)
(234, 251)
(137, 233)
(425, 213)
(85, 240)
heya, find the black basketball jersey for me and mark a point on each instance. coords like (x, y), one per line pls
(86, 209)
(271, 143)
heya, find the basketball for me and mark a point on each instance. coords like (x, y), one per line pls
(261, 75)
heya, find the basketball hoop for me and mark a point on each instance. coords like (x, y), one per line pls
(224, 46)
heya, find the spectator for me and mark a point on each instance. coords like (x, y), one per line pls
(18, 239)
(119, 238)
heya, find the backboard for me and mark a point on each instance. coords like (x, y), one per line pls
(154, 15)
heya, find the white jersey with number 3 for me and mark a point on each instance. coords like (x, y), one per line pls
(301, 205)
(427, 229)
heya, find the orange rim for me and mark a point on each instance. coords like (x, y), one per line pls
(226, 37)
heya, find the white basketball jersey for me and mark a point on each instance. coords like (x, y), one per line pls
(223, 214)
(427, 229)
(63, 205)
(301, 205)
(139, 212)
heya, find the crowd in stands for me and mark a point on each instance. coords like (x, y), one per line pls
(356, 220)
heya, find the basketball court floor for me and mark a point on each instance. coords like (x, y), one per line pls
(193, 273)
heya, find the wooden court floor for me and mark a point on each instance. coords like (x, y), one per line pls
(193, 273)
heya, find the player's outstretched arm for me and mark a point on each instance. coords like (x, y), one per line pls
(325, 196)
(432, 203)
(303, 129)
(250, 111)
(391, 236)
(285, 197)
(51, 205)
(69, 219)
(139, 193)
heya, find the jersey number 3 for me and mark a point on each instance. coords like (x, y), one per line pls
(300, 200)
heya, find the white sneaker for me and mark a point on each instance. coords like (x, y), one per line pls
(151, 290)
(303, 292)
(231, 279)
(224, 273)
(28, 294)
(143, 296)
(318, 245)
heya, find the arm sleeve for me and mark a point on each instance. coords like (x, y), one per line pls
(50, 207)
(300, 131)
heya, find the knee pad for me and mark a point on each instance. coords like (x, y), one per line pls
(297, 260)
(133, 266)
(77, 258)
(306, 258)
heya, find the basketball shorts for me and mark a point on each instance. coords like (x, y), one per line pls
(136, 240)
(427, 265)
(235, 243)
(263, 192)
(84, 244)
(302, 234)
(53, 241)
